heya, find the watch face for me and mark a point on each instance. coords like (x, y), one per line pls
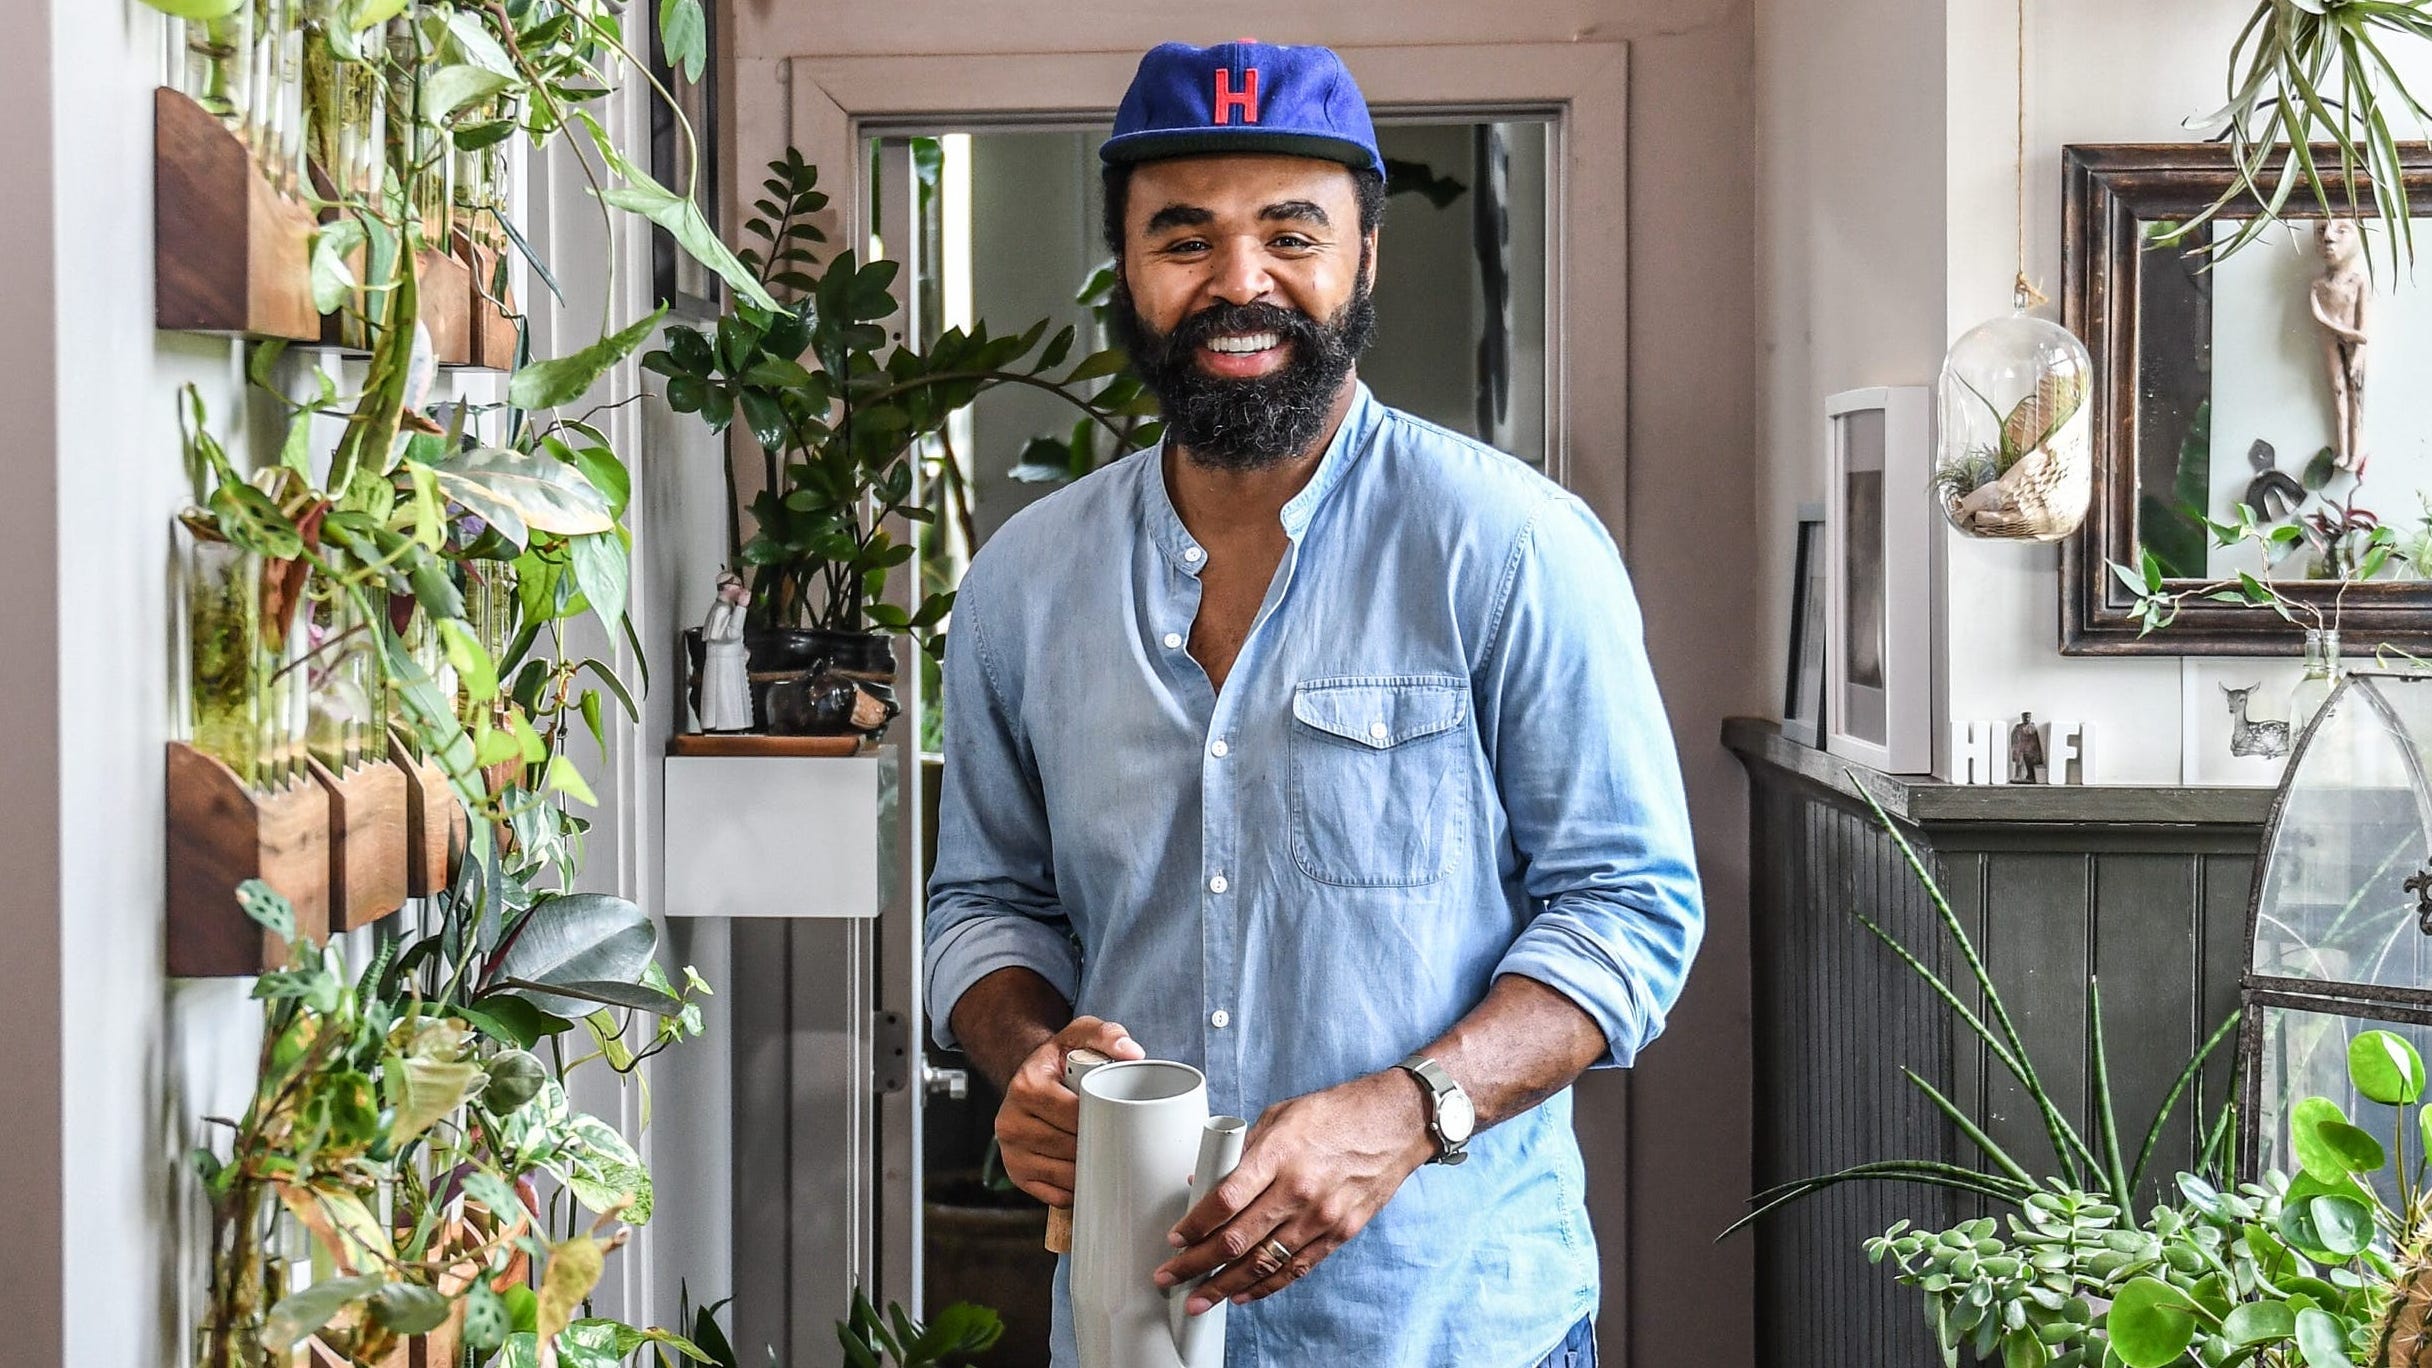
(1455, 1117)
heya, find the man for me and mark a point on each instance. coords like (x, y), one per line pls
(1315, 747)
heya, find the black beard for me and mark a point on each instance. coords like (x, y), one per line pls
(1246, 424)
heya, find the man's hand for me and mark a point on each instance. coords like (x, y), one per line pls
(1316, 1170)
(1037, 1126)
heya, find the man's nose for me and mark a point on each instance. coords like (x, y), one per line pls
(1240, 275)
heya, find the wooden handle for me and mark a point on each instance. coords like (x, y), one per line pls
(1059, 1219)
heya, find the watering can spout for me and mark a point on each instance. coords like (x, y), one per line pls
(1219, 1152)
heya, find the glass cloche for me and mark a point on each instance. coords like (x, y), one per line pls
(2015, 452)
(2339, 933)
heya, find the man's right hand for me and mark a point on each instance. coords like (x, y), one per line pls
(1041, 1118)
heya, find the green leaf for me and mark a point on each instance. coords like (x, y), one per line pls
(573, 938)
(564, 379)
(268, 908)
(486, 1319)
(683, 37)
(300, 1313)
(478, 44)
(451, 88)
(2321, 470)
(2151, 1324)
(2328, 1148)
(332, 272)
(474, 671)
(679, 215)
(421, 1091)
(601, 568)
(2262, 1322)
(2322, 1340)
(517, 493)
(1108, 362)
(2385, 1068)
(566, 779)
(512, 1020)
(2342, 1224)
(409, 1308)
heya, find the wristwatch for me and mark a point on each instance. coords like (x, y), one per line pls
(1450, 1115)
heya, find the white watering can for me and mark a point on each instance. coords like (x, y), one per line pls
(1148, 1149)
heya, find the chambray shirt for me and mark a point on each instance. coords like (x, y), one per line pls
(1439, 757)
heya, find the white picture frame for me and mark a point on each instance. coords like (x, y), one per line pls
(1879, 523)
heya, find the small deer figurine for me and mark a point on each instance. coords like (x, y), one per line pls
(2258, 740)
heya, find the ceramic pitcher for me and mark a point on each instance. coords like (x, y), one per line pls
(1147, 1150)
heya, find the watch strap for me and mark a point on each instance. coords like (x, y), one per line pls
(1438, 1085)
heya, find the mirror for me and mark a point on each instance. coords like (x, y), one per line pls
(1011, 233)
(2218, 383)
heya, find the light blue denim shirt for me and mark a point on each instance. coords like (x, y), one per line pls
(1439, 757)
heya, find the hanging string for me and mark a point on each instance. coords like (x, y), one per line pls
(2023, 294)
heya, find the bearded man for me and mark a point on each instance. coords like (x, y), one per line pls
(1315, 747)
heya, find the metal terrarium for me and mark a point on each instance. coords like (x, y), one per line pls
(2339, 933)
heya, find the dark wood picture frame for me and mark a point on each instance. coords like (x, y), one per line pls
(2111, 189)
(689, 289)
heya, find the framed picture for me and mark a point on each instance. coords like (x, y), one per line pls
(690, 289)
(1803, 690)
(1878, 655)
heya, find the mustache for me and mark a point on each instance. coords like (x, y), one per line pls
(1220, 319)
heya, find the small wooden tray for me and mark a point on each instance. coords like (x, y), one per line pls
(696, 743)
(222, 833)
(493, 328)
(367, 842)
(230, 253)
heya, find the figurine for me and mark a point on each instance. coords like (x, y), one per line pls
(2342, 302)
(2250, 739)
(2026, 751)
(726, 688)
(2273, 493)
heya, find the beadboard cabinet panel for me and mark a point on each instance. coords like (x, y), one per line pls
(2054, 886)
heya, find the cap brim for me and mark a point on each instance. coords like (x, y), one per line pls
(1152, 146)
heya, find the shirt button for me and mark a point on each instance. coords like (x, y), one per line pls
(1173, 641)
(1379, 730)
(1219, 749)
(1192, 554)
(1220, 1018)
(1218, 884)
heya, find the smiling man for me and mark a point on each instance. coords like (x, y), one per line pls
(1316, 747)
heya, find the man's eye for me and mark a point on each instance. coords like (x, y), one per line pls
(1186, 245)
(1293, 242)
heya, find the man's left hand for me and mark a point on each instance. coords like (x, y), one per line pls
(1316, 1169)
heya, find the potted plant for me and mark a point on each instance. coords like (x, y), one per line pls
(846, 440)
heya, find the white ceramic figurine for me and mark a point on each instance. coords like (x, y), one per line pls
(726, 688)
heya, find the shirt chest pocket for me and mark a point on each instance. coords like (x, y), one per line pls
(1380, 778)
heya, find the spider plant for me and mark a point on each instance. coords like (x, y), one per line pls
(2099, 1164)
(2312, 92)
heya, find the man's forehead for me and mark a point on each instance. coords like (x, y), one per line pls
(1240, 183)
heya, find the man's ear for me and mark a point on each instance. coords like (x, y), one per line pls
(1368, 253)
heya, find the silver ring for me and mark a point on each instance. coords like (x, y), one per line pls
(1282, 1255)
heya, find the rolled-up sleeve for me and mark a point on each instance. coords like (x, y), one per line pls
(992, 895)
(1590, 783)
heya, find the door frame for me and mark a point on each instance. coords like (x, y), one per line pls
(827, 106)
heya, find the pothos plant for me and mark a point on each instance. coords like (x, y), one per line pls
(402, 1117)
(843, 439)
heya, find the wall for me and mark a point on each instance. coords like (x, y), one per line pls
(1685, 1110)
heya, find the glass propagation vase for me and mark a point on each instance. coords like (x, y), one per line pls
(227, 668)
(2015, 452)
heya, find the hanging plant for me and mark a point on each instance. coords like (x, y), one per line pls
(2312, 91)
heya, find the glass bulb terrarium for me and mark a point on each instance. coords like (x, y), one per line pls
(2339, 933)
(2015, 452)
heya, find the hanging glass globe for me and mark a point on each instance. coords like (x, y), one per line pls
(2015, 458)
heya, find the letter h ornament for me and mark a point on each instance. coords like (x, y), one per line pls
(1242, 104)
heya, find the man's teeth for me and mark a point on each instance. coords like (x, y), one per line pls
(1245, 342)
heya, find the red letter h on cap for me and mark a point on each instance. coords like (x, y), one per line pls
(1242, 102)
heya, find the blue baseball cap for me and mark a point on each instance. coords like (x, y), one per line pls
(1243, 97)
